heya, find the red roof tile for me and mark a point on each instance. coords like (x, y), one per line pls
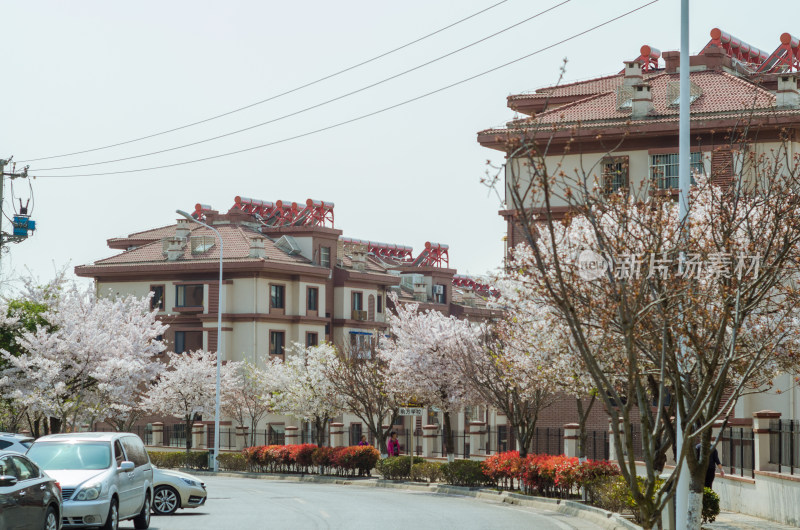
(723, 95)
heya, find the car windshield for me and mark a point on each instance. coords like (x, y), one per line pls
(81, 455)
(27, 444)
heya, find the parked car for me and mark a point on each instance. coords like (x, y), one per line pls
(19, 443)
(105, 477)
(174, 489)
(29, 498)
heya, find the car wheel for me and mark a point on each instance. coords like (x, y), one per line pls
(142, 521)
(112, 521)
(51, 519)
(165, 501)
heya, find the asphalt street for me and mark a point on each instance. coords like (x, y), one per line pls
(243, 504)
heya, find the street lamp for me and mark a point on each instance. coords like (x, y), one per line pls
(219, 337)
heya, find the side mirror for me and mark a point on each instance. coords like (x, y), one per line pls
(126, 466)
(7, 480)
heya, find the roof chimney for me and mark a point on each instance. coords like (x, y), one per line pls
(183, 230)
(787, 94)
(175, 248)
(257, 249)
(642, 101)
(633, 73)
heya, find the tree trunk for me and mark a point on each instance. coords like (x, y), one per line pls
(188, 430)
(583, 416)
(695, 504)
(55, 425)
(319, 425)
(447, 436)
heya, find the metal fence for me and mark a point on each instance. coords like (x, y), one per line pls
(737, 451)
(597, 445)
(784, 443)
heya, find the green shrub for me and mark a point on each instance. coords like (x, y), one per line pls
(175, 459)
(426, 471)
(610, 493)
(613, 494)
(710, 505)
(396, 467)
(232, 462)
(465, 473)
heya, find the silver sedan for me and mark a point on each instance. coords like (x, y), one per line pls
(174, 489)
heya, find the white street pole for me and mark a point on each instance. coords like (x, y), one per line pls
(219, 338)
(684, 180)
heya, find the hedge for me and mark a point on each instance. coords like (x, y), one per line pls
(467, 473)
(548, 475)
(175, 459)
(299, 458)
(397, 467)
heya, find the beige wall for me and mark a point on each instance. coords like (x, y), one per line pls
(576, 166)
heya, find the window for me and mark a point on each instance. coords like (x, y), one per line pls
(439, 294)
(360, 345)
(26, 470)
(355, 433)
(135, 450)
(664, 169)
(186, 341)
(312, 339)
(189, 295)
(277, 340)
(157, 301)
(276, 296)
(615, 174)
(325, 256)
(119, 456)
(312, 304)
(358, 301)
(380, 303)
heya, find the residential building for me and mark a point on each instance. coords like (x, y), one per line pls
(288, 277)
(622, 131)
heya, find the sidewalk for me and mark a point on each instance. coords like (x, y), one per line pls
(733, 520)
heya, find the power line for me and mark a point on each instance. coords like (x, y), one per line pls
(276, 96)
(363, 116)
(316, 106)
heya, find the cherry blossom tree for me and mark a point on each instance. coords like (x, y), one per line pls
(663, 313)
(247, 397)
(364, 384)
(302, 388)
(187, 389)
(423, 354)
(92, 360)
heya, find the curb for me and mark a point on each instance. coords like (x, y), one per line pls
(602, 518)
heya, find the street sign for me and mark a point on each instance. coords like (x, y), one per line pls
(410, 411)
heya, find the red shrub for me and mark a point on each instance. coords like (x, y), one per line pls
(503, 468)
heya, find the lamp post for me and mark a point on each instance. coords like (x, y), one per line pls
(219, 337)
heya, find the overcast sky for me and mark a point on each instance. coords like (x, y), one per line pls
(84, 74)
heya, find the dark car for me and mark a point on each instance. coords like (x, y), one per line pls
(29, 499)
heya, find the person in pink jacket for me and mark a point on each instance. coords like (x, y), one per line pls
(393, 446)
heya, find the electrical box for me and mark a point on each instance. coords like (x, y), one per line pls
(22, 225)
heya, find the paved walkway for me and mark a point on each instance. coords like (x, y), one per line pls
(732, 520)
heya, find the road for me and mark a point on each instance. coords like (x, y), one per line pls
(244, 504)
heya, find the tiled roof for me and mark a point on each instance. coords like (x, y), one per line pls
(150, 235)
(723, 95)
(590, 86)
(372, 264)
(235, 239)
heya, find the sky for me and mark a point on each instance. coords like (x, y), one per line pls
(82, 75)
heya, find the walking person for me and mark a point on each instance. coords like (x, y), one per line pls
(393, 445)
(713, 464)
